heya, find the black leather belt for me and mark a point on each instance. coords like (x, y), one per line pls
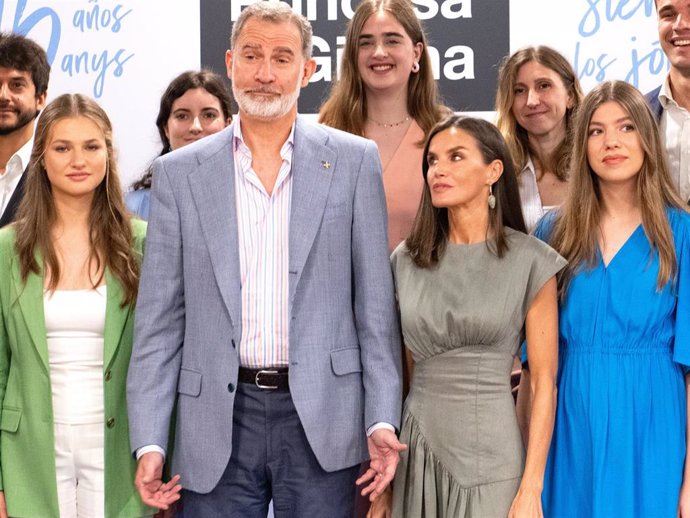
(270, 378)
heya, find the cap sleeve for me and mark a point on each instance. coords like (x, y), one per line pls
(546, 263)
(681, 344)
(396, 260)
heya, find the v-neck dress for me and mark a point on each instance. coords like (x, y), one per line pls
(403, 184)
(619, 441)
(462, 321)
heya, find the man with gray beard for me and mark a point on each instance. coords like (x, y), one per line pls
(24, 74)
(266, 306)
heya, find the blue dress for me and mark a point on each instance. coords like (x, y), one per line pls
(618, 446)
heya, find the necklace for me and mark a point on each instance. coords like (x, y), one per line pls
(391, 124)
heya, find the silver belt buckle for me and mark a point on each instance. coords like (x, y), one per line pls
(265, 371)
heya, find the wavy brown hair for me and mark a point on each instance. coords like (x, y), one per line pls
(346, 106)
(429, 236)
(515, 135)
(577, 227)
(110, 234)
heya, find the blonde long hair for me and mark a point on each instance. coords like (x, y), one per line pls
(346, 106)
(576, 229)
(109, 225)
(515, 135)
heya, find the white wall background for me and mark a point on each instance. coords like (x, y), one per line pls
(129, 63)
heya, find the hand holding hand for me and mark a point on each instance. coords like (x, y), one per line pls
(382, 507)
(149, 483)
(384, 450)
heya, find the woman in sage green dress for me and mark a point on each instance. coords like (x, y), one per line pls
(469, 281)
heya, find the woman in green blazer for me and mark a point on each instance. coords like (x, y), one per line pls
(73, 237)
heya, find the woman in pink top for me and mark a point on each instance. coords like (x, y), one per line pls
(386, 92)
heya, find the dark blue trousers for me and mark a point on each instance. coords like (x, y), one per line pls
(271, 459)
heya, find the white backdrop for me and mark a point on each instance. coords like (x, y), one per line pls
(124, 52)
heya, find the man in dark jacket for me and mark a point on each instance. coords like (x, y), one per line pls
(671, 101)
(24, 73)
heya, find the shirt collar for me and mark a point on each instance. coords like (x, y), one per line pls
(529, 167)
(19, 161)
(239, 144)
(665, 95)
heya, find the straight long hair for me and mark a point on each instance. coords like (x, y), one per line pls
(346, 106)
(430, 231)
(577, 227)
(515, 135)
(110, 234)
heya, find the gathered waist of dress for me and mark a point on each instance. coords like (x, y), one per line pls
(464, 373)
(618, 347)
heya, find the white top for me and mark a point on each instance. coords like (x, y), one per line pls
(75, 322)
(532, 209)
(14, 169)
(675, 132)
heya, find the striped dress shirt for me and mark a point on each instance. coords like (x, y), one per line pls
(263, 223)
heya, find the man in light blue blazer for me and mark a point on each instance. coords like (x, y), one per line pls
(266, 308)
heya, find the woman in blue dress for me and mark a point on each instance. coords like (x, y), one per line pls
(619, 442)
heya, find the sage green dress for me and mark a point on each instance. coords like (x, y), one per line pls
(462, 321)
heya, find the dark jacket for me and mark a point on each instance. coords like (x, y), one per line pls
(11, 210)
(654, 104)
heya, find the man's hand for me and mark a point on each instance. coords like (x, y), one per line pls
(149, 483)
(384, 450)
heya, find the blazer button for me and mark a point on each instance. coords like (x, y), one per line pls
(108, 376)
(110, 422)
(231, 388)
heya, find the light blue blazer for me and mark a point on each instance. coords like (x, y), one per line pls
(345, 355)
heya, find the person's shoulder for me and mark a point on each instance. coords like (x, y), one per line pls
(653, 95)
(138, 227)
(519, 239)
(546, 224)
(400, 251)
(401, 259)
(679, 219)
(133, 199)
(7, 236)
(528, 244)
(655, 106)
(330, 134)
(200, 151)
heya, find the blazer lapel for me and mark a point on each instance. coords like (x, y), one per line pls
(115, 319)
(30, 299)
(12, 205)
(313, 166)
(213, 190)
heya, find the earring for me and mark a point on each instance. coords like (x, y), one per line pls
(415, 67)
(492, 198)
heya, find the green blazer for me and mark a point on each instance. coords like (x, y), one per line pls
(27, 455)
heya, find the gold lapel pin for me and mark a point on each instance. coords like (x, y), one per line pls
(325, 164)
